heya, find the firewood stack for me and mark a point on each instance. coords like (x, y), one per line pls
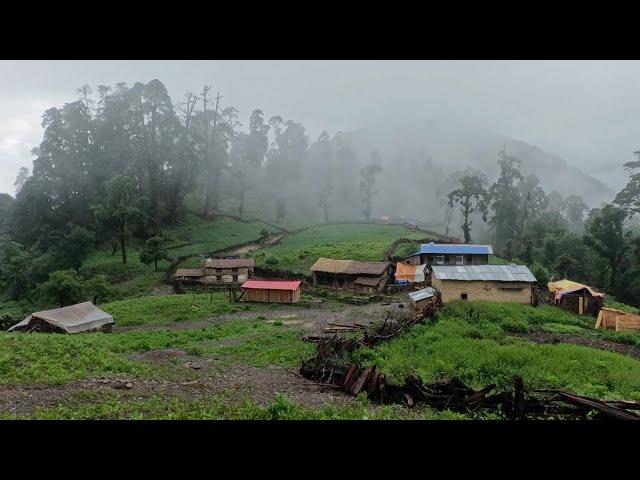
(332, 366)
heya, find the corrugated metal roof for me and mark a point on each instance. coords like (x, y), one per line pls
(272, 284)
(422, 294)
(455, 249)
(494, 273)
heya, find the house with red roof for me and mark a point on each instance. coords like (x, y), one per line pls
(272, 291)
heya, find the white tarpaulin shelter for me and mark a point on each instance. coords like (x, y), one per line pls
(79, 318)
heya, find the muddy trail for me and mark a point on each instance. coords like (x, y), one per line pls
(199, 379)
(249, 247)
(311, 320)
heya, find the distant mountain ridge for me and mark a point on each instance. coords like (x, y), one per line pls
(452, 146)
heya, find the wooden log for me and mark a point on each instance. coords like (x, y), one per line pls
(606, 410)
(599, 320)
(347, 378)
(356, 388)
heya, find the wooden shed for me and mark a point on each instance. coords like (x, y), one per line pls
(350, 274)
(271, 291)
(420, 298)
(610, 318)
(576, 297)
(368, 285)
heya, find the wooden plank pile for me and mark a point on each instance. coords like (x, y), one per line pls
(332, 366)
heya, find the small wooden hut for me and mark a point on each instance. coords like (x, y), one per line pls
(271, 291)
(420, 298)
(576, 297)
(360, 276)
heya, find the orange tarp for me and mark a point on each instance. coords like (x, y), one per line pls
(411, 273)
(561, 287)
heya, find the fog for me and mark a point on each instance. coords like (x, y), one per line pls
(457, 112)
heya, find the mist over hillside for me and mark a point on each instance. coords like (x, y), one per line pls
(424, 154)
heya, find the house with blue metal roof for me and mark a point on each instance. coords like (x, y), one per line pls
(459, 254)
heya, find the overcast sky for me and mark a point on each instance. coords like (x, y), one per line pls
(585, 111)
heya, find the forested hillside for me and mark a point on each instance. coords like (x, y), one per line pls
(126, 175)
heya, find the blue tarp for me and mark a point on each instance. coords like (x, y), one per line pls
(454, 249)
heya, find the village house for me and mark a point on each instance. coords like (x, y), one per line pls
(363, 277)
(495, 283)
(450, 254)
(272, 291)
(576, 297)
(218, 271)
(228, 270)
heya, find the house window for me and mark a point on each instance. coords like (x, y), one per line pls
(440, 260)
(459, 260)
(463, 296)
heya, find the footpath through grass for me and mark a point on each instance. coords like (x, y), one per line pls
(471, 341)
(206, 236)
(366, 242)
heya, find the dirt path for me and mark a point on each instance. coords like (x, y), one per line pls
(312, 320)
(253, 246)
(200, 379)
(600, 344)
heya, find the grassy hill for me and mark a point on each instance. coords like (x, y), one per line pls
(297, 252)
(197, 236)
(58, 359)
